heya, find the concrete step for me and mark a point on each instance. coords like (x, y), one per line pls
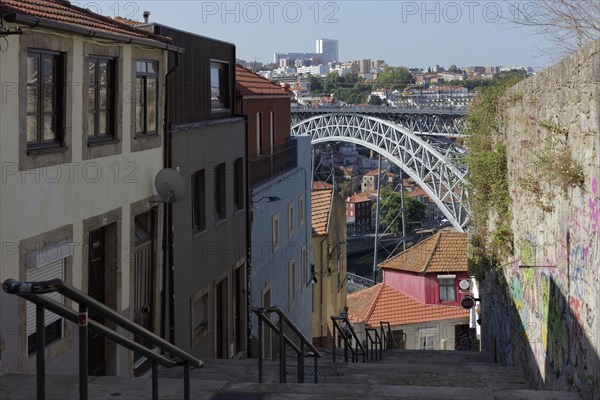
(22, 387)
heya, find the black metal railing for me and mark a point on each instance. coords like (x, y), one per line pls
(283, 159)
(31, 291)
(346, 333)
(374, 342)
(387, 335)
(283, 321)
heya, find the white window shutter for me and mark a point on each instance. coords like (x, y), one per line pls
(54, 270)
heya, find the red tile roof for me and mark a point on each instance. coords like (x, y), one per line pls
(321, 206)
(358, 198)
(64, 12)
(442, 252)
(317, 185)
(384, 303)
(249, 83)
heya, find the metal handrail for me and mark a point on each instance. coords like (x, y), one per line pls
(261, 313)
(359, 345)
(374, 343)
(389, 341)
(30, 291)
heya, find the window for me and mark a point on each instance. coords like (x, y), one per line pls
(290, 219)
(198, 201)
(219, 86)
(238, 183)
(54, 325)
(146, 105)
(271, 132)
(275, 232)
(303, 267)
(101, 97)
(292, 282)
(301, 210)
(200, 316)
(447, 288)
(220, 192)
(45, 98)
(259, 132)
(426, 339)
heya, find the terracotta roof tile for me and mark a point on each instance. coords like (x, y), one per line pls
(442, 252)
(62, 11)
(321, 205)
(384, 303)
(358, 198)
(248, 83)
(317, 185)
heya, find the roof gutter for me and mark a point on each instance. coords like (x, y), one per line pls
(35, 22)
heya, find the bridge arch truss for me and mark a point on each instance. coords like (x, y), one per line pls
(434, 165)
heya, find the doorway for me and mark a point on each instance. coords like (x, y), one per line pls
(222, 328)
(97, 290)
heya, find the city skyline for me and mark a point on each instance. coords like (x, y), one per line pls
(443, 33)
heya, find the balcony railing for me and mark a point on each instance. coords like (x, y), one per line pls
(267, 167)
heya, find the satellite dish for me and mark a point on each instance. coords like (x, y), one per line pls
(169, 185)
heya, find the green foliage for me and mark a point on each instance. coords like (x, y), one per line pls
(390, 213)
(375, 101)
(488, 178)
(316, 84)
(349, 88)
(453, 69)
(394, 78)
(552, 167)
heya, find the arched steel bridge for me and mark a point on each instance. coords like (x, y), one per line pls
(448, 122)
(431, 159)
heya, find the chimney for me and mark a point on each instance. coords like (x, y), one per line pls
(146, 15)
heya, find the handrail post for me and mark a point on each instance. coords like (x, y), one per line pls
(345, 346)
(260, 349)
(83, 351)
(301, 363)
(186, 380)
(40, 341)
(335, 339)
(154, 380)
(315, 361)
(281, 352)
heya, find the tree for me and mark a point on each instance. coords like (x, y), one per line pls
(316, 84)
(375, 100)
(390, 213)
(394, 78)
(566, 23)
(453, 69)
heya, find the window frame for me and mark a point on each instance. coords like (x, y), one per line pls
(275, 232)
(220, 188)
(58, 111)
(301, 207)
(444, 286)
(291, 217)
(111, 103)
(198, 201)
(145, 76)
(224, 86)
(238, 184)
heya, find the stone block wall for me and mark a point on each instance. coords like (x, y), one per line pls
(540, 308)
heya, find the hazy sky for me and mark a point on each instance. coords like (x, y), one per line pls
(410, 33)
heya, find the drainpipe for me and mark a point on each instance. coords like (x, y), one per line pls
(168, 273)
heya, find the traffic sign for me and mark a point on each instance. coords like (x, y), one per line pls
(467, 302)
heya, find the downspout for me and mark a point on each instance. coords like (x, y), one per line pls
(321, 295)
(168, 273)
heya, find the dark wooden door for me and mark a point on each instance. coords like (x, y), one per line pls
(96, 290)
(222, 330)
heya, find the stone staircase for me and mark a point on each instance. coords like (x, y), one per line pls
(402, 374)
